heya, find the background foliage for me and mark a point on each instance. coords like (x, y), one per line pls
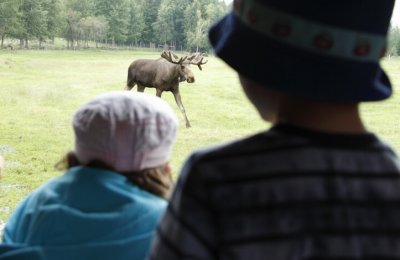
(394, 41)
(179, 23)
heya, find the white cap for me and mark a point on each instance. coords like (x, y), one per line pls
(129, 131)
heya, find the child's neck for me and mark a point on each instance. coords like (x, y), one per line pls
(321, 116)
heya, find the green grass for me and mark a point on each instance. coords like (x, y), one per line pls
(40, 91)
(384, 117)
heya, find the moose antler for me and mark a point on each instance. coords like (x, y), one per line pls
(197, 59)
(173, 58)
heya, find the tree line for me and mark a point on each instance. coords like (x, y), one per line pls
(128, 22)
(394, 41)
(120, 22)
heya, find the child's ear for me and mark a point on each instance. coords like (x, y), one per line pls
(167, 168)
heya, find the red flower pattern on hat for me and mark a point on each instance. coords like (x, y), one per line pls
(281, 29)
(323, 41)
(362, 49)
(236, 5)
(337, 42)
(252, 17)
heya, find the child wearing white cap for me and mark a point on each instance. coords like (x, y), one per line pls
(107, 204)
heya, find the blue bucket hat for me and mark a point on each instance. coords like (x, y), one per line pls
(322, 50)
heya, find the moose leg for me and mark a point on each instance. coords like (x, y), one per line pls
(158, 92)
(178, 101)
(140, 88)
(130, 82)
(127, 87)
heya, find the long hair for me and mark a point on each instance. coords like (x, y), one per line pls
(154, 180)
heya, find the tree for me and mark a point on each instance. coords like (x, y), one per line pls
(136, 22)
(86, 8)
(102, 7)
(33, 19)
(9, 19)
(394, 41)
(214, 11)
(118, 21)
(199, 16)
(197, 37)
(93, 29)
(99, 29)
(174, 22)
(196, 26)
(164, 27)
(150, 16)
(72, 31)
(180, 9)
(55, 18)
(116, 13)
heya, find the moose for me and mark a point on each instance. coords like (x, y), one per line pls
(164, 74)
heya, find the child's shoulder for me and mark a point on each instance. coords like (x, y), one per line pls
(283, 138)
(259, 143)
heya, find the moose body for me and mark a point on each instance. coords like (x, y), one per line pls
(163, 74)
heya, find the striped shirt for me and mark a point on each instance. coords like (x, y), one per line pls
(288, 193)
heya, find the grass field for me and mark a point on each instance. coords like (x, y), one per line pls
(40, 90)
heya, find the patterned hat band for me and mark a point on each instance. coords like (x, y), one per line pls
(309, 35)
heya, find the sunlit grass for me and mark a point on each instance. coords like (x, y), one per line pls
(384, 117)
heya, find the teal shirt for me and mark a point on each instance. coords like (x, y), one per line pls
(87, 214)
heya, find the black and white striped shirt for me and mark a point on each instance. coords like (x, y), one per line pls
(289, 193)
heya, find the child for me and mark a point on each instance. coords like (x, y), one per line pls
(317, 185)
(95, 211)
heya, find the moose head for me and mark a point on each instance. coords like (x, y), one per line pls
(184, 62)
